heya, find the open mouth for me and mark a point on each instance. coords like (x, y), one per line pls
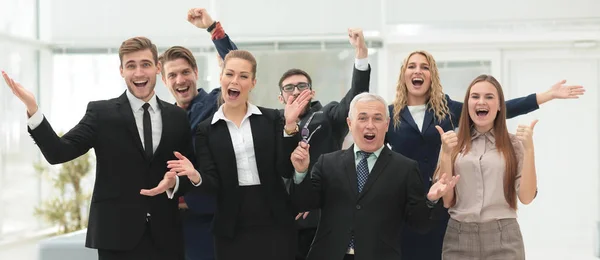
(140, 84)
(481, 112)
(234, 93)
(182, 89)
(417, 82)
(369, 137)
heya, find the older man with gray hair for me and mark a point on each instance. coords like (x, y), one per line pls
(366, 192)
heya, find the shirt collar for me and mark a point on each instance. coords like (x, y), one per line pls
(136, 103)
(489, 135)
(376, 153)
(219, 115)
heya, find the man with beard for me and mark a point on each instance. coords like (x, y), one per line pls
(180, 74)
(323, 127)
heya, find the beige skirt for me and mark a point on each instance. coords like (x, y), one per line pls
(500, 239)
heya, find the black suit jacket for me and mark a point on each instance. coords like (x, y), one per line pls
(217, 166)
(118, 211)
(392, 195)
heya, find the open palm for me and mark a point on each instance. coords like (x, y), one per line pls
(23, 94)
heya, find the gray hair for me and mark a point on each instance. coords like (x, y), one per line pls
(365, 97)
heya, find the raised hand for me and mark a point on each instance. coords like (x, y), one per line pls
(295, 107)
(356, 37)
(300, 157)
(357, 40)
(23, 94)
(449, 140)
(561, 91)
(525, 134)
(168, 182)
(200, 18)
(183, 167)
(444, 185)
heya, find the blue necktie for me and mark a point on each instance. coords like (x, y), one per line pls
(362, 170)
(362, 173)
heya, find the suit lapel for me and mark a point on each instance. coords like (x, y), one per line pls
(220, 140)
(405, 114)
(428, 120)
(350, 169)
(167, 124)
(382, 161)
(124, 109)
(262, 139)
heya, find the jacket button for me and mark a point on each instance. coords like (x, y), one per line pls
(357, 206)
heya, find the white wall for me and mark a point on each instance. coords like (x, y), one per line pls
(474, 10)
(108, 23)
(562, 221)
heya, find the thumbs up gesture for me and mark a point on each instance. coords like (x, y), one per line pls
(525, 134)
(449, 140)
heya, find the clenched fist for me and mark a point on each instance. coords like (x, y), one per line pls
(200, 18)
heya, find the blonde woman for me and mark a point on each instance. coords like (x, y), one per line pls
(420, 104)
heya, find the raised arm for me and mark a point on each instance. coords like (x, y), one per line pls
(527, 178)
(200, 18)
(56, 149)
(361, 76)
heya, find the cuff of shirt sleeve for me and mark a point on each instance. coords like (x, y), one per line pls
(35, 120)
(361, 64)
(171, 193)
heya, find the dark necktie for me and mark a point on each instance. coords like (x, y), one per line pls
(362, 170)
(147, 131)
(362, 173)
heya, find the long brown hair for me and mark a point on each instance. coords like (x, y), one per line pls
(437, 101)
(503, 142)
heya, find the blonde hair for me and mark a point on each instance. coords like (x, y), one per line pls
(437, 101)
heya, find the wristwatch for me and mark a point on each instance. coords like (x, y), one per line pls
(292, 132)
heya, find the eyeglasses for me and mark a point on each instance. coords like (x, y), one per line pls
(289, 88)
(306, 134)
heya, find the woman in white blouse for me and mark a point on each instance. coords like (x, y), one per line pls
(496, 168)
(243, 152)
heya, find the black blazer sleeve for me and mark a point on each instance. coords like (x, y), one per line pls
(417, 213)
(338, 112)
(205, 162)
(307, 194)
(71, 145)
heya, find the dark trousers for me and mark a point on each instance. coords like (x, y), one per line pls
(146, 249)
(348, 257)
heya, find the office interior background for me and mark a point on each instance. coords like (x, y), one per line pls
(65, 52)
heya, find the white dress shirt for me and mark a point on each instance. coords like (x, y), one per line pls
(418, 114)
(243, 145)
(155, 118)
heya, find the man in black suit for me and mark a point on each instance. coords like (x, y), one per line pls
(366, 192)
(324, 125)
(133, 136)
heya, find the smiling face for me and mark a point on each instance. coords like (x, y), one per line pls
(368, 123)
(139, 71)
(237, 79)
(180, 78)
(484, 105)
(417, 77)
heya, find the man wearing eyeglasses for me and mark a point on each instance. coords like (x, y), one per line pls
(324, 127)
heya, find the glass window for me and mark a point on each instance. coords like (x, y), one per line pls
(18, 17)
(19, 183)
(457, 75)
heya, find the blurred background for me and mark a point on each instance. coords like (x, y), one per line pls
(64, 51)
